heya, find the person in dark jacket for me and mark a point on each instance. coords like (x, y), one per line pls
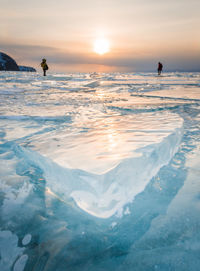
(160, 67)
(44, 66)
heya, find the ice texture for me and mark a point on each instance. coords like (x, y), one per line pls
(26, 240)
(99, 171)
(9, 251)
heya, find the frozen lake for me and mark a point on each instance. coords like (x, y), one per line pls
(99, 172)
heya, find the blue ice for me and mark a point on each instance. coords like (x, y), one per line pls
(99, 172)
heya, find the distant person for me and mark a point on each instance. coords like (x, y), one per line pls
(44, 66)
(160, 67)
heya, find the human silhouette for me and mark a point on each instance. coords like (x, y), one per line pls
(44, 66)
(160, 67)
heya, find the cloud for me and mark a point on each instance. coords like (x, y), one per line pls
(32, 54)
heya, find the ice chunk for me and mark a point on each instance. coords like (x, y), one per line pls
(103, 195)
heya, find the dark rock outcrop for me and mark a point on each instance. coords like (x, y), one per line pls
(26, 69)
(7, 63)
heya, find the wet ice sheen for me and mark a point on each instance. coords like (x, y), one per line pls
(93, 169)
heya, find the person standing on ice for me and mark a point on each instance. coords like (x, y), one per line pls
(160, 67)
(44, 66)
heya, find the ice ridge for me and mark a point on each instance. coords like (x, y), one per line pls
(106, 194)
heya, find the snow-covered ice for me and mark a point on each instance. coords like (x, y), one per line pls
(99, 171)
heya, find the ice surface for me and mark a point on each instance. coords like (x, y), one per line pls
(10, 251)
(173, 238)
(99, 171)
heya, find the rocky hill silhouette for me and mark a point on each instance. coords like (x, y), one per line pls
(7, 63)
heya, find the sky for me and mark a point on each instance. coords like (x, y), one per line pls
(140, 33)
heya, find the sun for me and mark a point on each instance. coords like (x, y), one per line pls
(101, 46)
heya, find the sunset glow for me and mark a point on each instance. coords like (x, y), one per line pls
(102, 36)
(101, 46)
